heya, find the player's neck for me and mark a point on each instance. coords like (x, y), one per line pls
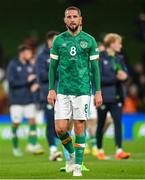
(74, 33)
(22, 60)
(110, 52)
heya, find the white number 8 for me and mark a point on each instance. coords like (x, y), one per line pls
(73, 51)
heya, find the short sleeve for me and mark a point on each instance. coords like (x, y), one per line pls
(54, 54)
(94, 51)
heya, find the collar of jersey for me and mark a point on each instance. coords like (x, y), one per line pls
(72, 35)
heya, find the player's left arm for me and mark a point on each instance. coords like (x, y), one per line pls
(94, 57)
(122, 73)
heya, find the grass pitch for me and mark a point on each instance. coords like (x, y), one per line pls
(38, 167)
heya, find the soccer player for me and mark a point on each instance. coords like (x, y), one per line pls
(93, 119)
(113, 74)
(42, 64)
(92, 126)
(22, 85)
(71, 54)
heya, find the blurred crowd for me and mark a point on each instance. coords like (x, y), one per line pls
(135, 100)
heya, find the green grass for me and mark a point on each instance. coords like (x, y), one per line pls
(38, 167)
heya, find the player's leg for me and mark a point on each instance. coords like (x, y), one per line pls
(16, 113)
(51, 134)
(108, 121)
(63, 114)
(33, 146)
(91, 127)
(102, 112)
(32, 139)
(66, 153)
(80, 141)
(61, 126)
(14, 135)
(80, 106)
(116, 111)
(91, 124)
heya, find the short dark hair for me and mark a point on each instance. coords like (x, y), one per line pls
(73, 8)
(51, 34)
(23, 47)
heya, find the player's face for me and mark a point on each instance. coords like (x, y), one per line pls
(116, 45)
(101, 47)
(72, 20)
(27, 54)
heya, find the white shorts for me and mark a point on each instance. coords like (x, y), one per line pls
(93, 111)
(18, 112)
(72, 107)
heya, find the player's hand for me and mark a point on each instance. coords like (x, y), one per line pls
(31, 77)
(34, 87)
(98, 99)
(121, 75)
(51, 97)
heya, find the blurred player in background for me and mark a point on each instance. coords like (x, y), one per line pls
(92, 120)
(113, 74)
(71, 53)
(42, 63)
(22, 85)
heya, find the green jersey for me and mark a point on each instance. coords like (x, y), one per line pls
(74, 54)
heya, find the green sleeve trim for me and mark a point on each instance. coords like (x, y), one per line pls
(52, 74)
(96, 75)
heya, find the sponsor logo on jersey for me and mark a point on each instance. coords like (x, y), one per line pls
(84, 44)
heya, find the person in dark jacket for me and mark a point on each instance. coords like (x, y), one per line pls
(42, 64)
(113, 74)
(22, 86)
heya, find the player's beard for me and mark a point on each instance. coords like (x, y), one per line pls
(73, 28)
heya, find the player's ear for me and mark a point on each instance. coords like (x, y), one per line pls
(81, 20)
(64, 20)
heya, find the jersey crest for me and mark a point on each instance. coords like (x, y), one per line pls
(84, 44)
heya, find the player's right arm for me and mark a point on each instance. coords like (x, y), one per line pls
(54, 55)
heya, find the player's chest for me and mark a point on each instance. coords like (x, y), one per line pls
(22, 70)
(74, 47)
(108, 65)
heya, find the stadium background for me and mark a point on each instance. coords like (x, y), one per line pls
(21, 20)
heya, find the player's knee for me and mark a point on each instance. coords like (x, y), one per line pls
(79, 127)
(60, 130)
(15, 125)
(32, 121)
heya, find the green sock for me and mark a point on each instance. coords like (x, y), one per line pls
(67, 142)
(32, 135)
(14, 137)
(79, 148)
(93, 141)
